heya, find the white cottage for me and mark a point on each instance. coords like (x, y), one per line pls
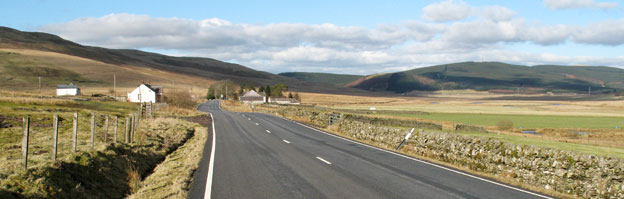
(67, 89)
(146, 93)
(252, 97)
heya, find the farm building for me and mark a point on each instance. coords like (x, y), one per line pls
(146, 93)
(283, 100)
(67, 89)
(252, 97)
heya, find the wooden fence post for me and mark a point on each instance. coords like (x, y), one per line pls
(128, 129)
(106, 130)
(132, 126)
(25, 141)
(141, 109)
(116, 124)
(92, 130)
(75, 133)
(55, 137)
(150, 109)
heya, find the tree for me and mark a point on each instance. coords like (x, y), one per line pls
(290, 95)
(278, 90)
(211, 93)
(296, 96)
(261, 89)
(268, 91)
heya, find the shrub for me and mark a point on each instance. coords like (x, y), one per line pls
(180, 99)
(504, 124)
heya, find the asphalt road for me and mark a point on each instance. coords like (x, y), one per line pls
(263, 156)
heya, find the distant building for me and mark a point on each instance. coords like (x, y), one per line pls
(252, 97)
(283, 100)
(67, 89)
(146, 93)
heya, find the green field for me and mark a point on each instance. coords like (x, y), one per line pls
(524, 121)
(583, 148)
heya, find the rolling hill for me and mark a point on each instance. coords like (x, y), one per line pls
(339, 80)
(24, 56)
(496, 75)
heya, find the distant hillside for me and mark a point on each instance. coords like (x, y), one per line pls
(495, 75)
(195, 67)
(323, 78)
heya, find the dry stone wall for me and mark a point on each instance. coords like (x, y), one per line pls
(574, 173)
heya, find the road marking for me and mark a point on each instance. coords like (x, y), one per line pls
(249, 118)
(268, 131)
(425, 162)
(256, 124)
(208, 190)
(287, 142)
(325, 161)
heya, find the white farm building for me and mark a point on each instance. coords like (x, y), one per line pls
(146, 93)
(67, 89)
(252, 97)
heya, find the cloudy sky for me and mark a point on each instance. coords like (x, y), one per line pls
(351, 37)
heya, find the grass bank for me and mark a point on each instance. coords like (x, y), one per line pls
(172, 177)
(113, 172)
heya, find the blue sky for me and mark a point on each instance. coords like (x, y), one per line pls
(360, 37)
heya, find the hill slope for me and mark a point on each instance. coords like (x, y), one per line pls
(496, 75)
(204, 69)
(323, 78)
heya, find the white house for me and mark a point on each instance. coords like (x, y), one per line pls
(67, 89)
(146, 93)
(252, 97)
(283, 100)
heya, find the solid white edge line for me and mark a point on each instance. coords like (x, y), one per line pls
(424, 162)
(325, 161)
(208, 190)
(286, 141)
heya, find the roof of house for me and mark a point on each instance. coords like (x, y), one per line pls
(156, 89)
(252, 93)
(70, 85)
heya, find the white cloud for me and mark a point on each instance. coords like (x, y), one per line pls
(606, 33)
(572, 4)
(449, 10)
(454, 10)
(345, 49)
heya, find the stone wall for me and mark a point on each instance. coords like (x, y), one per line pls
(561, 171)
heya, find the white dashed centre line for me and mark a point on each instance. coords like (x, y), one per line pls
(287, 142)
(268, 131)
(325, 161)
(249, 118)
(256, 124)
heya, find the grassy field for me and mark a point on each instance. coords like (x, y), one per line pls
(565, 124)
(524, 121)
(538, 141)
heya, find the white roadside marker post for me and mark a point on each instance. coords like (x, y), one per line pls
(405, 140)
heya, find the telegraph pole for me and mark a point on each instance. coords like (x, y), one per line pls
(226, 92)
(39, 85)
(115, 86)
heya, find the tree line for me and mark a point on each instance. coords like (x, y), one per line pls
(230, 90)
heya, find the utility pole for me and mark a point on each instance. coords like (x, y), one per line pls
(589, 91)
(115, 86)
(39, 85)
(226, 92)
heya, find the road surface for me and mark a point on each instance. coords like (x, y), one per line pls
(263, 156)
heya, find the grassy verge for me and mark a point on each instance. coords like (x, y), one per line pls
(172, 178)
(113, 172)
